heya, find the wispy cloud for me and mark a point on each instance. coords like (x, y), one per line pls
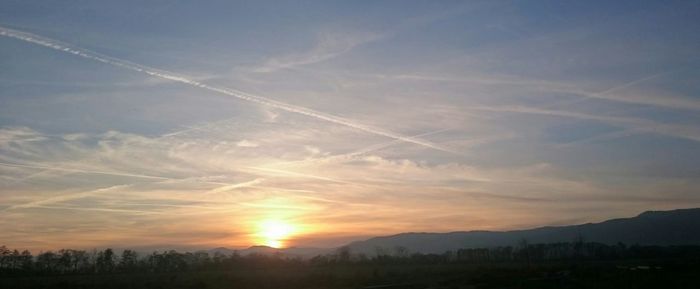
(67, 197)
(106, 210)
(328, 45)
(231, 187)
(351, 155)
(624, 93)
(541, 119)
(637, 124)
(50, 43)
(247, 144)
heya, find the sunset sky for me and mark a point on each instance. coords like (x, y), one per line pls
(195, 124)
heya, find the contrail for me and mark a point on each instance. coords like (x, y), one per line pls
(85, 53)
(352, 155)
(295, 174)
(108, 173)
(63, 198)
(101, 210)
(83, 171)
(608, 93)
(235, 186)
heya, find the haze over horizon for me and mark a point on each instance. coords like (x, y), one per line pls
(316, 123)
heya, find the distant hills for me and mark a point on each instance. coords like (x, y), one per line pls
(677, 227)
(265, 250)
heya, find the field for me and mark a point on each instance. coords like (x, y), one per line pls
(628, 274)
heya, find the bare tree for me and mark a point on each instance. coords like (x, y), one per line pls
(128, 260)
(105, 260)
(4, 256)
(343, 254)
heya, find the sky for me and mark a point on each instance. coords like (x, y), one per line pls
(200, 124)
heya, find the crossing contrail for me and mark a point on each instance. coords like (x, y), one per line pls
(352, 155)
(75, 170)
(63, 198)
(85, 53)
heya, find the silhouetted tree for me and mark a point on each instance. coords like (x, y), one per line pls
(25, 260)
(4, 257)
(105, 260)
(343, 254)
(199, 259)
(47, 261)
(129, 260)
(579, 247)
(67, 261)
(525, 250)
(400, 251)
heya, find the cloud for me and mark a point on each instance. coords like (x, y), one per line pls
(107, 210)
(316, 193)
(328, 45)
(77, 170)
(627, 93)
(270, 114)
(347, 156)
(247, 144)
(18, 135)
(231, 187)
(636, 124)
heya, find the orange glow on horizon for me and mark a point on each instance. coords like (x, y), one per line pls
(275, 233)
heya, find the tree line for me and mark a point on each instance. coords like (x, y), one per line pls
(68, 261)
(522, 253)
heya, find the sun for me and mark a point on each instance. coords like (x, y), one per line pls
(274, 233)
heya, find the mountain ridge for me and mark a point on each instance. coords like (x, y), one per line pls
(673, 227)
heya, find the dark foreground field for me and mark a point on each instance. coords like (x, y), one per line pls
(629, 274)
(557, 265)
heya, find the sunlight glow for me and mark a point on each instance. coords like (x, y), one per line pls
(274, 233)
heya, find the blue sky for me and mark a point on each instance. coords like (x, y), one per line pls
(389, 117)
